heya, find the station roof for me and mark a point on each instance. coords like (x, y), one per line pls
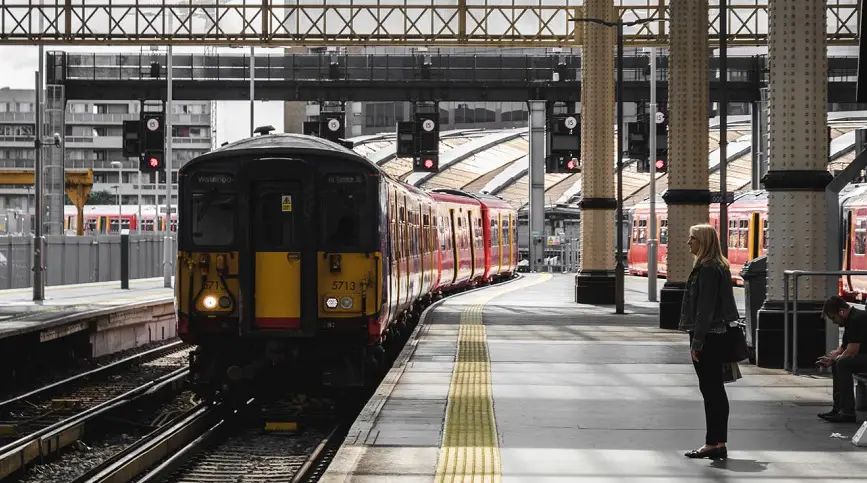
(497, 161)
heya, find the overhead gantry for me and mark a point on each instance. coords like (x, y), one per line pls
(518, 23)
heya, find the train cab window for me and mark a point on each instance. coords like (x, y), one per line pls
(860, 245)
(212, 218)
(343, 211)
(663, 232)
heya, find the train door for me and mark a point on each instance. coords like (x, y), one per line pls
(395, 252)
(754, 236)
(847, 246)
(456, 245)
(279, 247)
(471, 230)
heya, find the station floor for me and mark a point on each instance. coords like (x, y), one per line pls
(517, 383)
(19, 314)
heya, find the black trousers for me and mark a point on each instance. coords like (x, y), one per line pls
(710, 382)
(844, 390)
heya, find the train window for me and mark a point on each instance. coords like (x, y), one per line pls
(765, 233)
(860, 245)
(663, 232)
(642, 231)
(743, 239)
(495, 233)
(213, 218)
(278, 233)
(343, 214)
(733, 233)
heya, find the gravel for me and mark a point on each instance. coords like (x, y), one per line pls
(78, 367)
(83, 456)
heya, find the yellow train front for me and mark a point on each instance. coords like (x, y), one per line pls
(280, 263)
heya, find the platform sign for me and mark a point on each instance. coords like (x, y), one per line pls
(716, 197)
(286, 203)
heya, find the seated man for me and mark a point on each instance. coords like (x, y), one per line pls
(849, 358)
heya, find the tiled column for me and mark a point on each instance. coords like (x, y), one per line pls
(595, 283)
(797, 175)
(687, 195)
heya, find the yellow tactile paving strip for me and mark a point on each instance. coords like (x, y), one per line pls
(469, 451)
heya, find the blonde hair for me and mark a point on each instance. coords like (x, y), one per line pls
(709, 245)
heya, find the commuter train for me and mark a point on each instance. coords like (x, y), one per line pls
(102, 219)
(748, 235)
(297, 256)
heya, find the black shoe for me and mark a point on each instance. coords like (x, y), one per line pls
(832, 412)
(714, 454)
(840, 418)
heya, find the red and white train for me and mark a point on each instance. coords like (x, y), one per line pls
(748, 235)
(102, 219)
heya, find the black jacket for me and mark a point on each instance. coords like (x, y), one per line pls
(709, 302)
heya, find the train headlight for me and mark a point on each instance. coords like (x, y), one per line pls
(346, 302)
(331, 302)
(210, 302)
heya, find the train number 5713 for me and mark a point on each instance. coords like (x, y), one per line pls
(342, 285)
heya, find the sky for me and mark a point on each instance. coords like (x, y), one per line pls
(18, 63)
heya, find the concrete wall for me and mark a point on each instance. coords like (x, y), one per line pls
(84, 259)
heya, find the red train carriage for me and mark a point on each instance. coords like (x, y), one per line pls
(747, 232)
(748, 235)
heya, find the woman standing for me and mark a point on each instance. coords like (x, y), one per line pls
(708, 307)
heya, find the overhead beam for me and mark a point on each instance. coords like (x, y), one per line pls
(26, 177)
(521, 23)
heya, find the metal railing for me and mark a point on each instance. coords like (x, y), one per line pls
(795, 275)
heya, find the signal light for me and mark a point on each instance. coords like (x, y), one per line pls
(426, 163)
(152, 162)
(572, 164)
(660, 164)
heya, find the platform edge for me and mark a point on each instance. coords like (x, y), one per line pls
(346, 460)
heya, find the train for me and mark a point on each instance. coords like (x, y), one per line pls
(297, 256)
(102, 219)
(748, 235)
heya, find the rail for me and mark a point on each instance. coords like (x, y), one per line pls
(795, 275)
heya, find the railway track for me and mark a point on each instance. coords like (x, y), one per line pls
(41, 423)
(218, 442)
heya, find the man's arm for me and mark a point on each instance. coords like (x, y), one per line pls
(851, 350)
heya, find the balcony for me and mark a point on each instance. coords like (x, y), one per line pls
(18, 117)
(115, 119)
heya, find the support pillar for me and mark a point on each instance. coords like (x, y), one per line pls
(537, 185)
(687, 195)
(797, 176)
(595, 283)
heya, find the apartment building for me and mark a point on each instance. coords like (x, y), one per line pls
(93, 131)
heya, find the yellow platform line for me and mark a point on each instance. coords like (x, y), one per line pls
(470, 451)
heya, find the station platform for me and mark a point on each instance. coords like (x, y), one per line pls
(65, 304)
(518, 383)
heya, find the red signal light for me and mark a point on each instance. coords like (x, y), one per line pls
(154, 162)
(428, 163)
(572, 164)
(660, 164)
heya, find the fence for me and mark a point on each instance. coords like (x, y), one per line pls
(79, 259)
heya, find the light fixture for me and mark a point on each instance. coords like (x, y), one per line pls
(331, 302)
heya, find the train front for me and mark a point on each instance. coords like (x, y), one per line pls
(279, 272)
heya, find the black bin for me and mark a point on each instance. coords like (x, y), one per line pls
(755, 275)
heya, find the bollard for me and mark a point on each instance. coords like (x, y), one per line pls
(124, 259)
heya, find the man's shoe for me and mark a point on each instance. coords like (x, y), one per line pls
(840, 418)
(832, 412)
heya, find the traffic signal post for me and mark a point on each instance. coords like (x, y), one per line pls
(564, 144)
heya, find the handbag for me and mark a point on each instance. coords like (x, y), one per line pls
(736, 348)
